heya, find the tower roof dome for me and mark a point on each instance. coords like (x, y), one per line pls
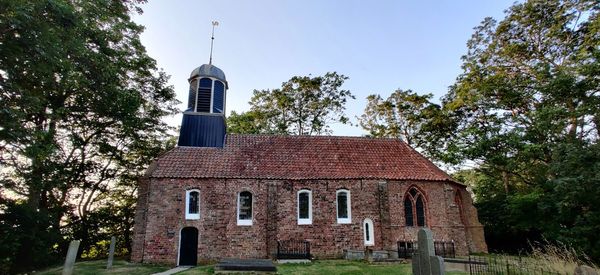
(210, 71)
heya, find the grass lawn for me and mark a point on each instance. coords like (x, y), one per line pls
(343, 267)
(99, 267)
(329, 267)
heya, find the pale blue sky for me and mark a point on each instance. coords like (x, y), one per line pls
(380, 45)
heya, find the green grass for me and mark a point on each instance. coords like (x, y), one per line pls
(334, 267)
(99, 267)
(328, 267)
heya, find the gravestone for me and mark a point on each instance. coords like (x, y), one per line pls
(71, 256)
(585, 270)
(424, 261)
(111, 252)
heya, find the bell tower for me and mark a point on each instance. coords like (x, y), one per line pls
(203, 123)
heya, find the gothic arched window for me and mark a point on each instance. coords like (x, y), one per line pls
(414, 207)
(458, 203)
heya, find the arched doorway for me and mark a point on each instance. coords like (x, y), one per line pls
(188, 246)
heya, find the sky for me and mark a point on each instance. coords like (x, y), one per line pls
(380, 45)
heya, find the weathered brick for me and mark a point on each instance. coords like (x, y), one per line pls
(161, 205)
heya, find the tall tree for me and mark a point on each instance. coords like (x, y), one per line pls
(81, 106)
(303, 105)
(530, 89)
(401, 115)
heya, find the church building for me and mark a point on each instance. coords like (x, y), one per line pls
(219, 195)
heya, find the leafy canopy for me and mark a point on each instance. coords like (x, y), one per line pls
(80, 110)
(302, 106)
(405, 115)
(526, 113)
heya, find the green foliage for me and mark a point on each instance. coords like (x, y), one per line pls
(303, 105)
(399, 116)
(526, 112)
(81, 108)
(250, 122)
(25, 231)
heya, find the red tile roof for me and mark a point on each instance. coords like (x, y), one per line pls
(299, 157)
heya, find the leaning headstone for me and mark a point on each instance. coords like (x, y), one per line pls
(424, 261)
(111, 252)
(71, 256)
(585, 270)
(368, 254)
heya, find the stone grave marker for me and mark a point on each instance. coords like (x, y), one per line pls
(111, 252)
(71, 257)
(585, 270)
(424, 261)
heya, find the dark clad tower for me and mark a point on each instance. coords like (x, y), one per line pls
(203, 122)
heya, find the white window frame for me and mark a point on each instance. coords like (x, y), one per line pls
(348, 207)
(188, 215)
(371, 240)
(305, 220)
(244, 222)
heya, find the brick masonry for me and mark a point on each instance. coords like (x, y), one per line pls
(160, 217)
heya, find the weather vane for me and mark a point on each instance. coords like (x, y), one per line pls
(212, 40)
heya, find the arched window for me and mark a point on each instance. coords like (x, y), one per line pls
(414, 206)
(344, 209)
(192, 204)
(218, 97)
(192, 95)
(244, 209)
(458, 202)
(408, 212)
(368, 234)
(304, 207)
(203, 96)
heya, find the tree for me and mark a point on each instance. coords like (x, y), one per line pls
(250, 122)
(81, 107)
(530, 89)
(402, 115)
(302, 106)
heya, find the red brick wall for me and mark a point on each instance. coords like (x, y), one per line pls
(274, 217)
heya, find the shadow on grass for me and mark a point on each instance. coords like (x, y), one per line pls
(99, 267)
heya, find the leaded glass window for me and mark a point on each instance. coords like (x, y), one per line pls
(245, 208)
(304, 207)
(414, 207)
(343, 206)
(192, 204)
(408, 212)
